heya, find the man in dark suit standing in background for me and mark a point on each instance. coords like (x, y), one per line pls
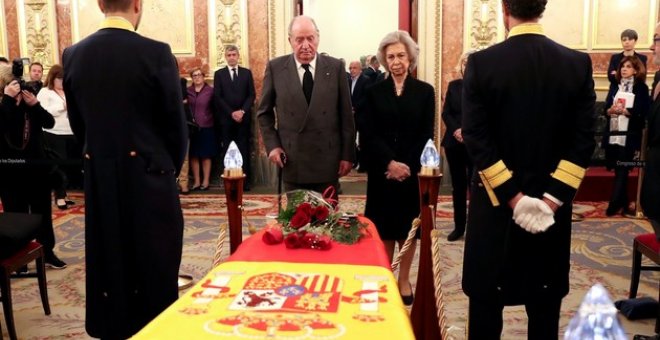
(124, 102)
(372, 71)
(357, 83)
(528, 126)
(233, 88)
(315, 127)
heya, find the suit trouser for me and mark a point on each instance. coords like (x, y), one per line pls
(485, 319)
(460, 168)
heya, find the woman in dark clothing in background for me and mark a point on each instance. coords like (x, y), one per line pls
(620, 149)
(25, 183)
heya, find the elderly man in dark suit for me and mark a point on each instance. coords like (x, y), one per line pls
(233, 88)
(315, 129)
(124, 102)
(528, 126)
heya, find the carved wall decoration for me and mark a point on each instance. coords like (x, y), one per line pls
(4, 49)
(37, 31)
(167, 21)
(227, 26)
(485, 24)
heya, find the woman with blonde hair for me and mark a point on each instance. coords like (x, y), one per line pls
(25, 184)
(399, 116)
(460, 166)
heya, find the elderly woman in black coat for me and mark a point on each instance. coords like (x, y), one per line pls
(399, 113)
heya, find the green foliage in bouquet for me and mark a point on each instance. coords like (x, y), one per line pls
(309, 212)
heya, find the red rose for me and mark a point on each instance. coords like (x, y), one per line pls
(300, 219)
(308, 241)
(324, 242)
(273, 235)
(321, 213)
(292, 241)
(305, 208)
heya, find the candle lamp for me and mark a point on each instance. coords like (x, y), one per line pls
(234, 178)
(424, 314)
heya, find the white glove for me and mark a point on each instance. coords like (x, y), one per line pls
(545, 218)
(533, 215)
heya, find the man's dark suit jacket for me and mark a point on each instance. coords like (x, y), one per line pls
(528, 125)
(124, 103)
(372, 74)
(314, 136)
(231, 96)
(357, 96)
(650, 197)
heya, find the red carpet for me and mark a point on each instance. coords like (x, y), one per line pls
(597, 185)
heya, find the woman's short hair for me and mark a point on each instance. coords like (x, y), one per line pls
(195, 69)
(398, 37)
(637, 64)
(5, 76)
(630, 34)
(56, 71)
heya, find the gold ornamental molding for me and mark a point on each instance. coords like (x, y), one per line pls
(167, 21)
(483, 24)
(227, 26)
(280, 13)
(37, 31)
(4, 49)
(429, 64)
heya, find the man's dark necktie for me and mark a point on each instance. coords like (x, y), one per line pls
(235, 75)
(308, 83)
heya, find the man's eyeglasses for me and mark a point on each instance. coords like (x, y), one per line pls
(656, 40)
(198, 75)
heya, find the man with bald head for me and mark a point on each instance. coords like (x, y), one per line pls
(357, 83)
(308, 96)
(124, 103)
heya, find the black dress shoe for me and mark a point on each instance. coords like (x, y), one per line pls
(611, 210)
(61, 204)
(455, 235)
(408, 299)
(52, 261)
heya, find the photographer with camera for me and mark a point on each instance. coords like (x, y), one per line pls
(24, 184)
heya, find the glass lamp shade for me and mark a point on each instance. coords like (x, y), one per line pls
(430, 160)
(596, 318)
(233, 161)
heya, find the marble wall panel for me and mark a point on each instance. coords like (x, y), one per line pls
(3, 31)
(63, 12)
(11, 23)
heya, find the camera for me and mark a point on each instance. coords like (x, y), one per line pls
(17, 71)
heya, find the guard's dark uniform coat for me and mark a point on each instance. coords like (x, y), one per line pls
(528, 125)
(124, 102)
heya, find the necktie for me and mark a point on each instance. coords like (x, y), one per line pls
(234, 75)
(308, 83)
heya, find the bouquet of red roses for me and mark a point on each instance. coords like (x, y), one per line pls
(309, 221)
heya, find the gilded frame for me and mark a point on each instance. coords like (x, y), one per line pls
(648, 31)
(182, 41)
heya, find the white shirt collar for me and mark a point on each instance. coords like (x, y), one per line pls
(312, 65)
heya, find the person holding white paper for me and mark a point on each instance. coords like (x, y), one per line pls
(626, 107)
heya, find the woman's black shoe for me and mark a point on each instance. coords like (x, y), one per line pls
(611, 210)
(408, 299)
(455, 235)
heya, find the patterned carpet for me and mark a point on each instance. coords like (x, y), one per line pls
(600, 253)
